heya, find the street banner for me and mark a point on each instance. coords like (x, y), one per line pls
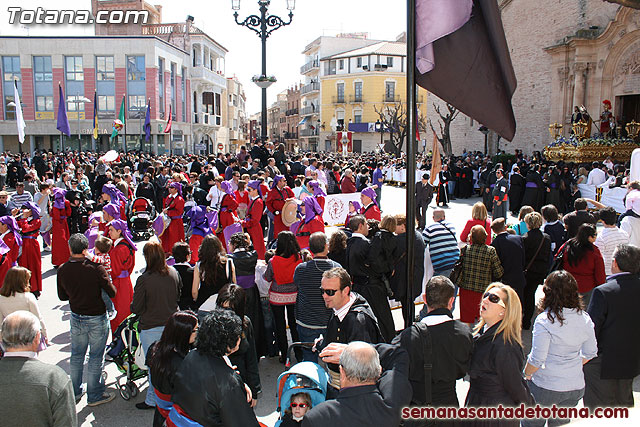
(336, 207)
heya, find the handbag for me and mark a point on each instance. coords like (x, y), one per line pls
(558, 261)
(456, 272)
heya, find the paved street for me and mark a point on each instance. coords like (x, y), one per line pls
(123, 413)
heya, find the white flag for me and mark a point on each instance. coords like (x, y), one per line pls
(19, 118)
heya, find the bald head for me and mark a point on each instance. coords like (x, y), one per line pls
(20, 330)
(438, 214)
(360, 364)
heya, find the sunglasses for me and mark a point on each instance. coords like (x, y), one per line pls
(329, 292)
(301, 405)
(494, 298)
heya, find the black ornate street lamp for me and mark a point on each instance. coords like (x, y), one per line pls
(263, 26)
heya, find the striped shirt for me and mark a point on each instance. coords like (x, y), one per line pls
(311, 311)
(17, 200)
(607, 241)
(443, 245)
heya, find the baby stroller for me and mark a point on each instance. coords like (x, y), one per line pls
(122, 351)
(307, 377)
(141, 215)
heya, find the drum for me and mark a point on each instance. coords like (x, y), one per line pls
(161, 223)
(289, 212)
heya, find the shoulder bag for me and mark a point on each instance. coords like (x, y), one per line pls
(456, 272)
(535, 256)
(425, 337)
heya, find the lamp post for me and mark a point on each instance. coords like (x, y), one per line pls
(379, 129)
(15, 112)
(485, 132)
(79, 100)
(263, 26)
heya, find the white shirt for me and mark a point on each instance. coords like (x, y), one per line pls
(342, 311)
(215, 197)
(607, 241)
(631, 225)
(596, 177)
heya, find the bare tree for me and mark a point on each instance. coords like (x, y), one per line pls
(444, 122)
(394, 118)
(635, 4)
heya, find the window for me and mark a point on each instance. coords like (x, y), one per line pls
(135, 68)
(11, 68)
(184, 93)
(207, 102)
(42, 69)
(340, 92)
(357, 116)
(357, 87)
(235, 124)
(161, 86)
(44, 103)
(72, 104)
(359, 62)
(106, 103)
(341, 64)
(329, 68)
(136, 103)
(217, 106)
(389, 61)
(73, 65)
(173, 89)
(389, 91)
(104, 68)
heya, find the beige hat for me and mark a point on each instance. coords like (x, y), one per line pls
(4, 193)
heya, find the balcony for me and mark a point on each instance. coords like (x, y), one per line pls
(291, 112)
(337, 99)
(355, 98)
(387, 97)
(311, 87)
(307, 111)
(206, 119)
(309, 66)
(290, 135)
(209, 76)
(309, 132)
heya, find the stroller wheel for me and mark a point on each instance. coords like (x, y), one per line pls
(124, 392)
(133, 388)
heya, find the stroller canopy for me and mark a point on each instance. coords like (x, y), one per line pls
(307, 377)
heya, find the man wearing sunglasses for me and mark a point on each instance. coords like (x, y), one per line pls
(352, 318)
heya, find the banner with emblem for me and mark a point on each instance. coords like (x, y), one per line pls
(336, 207)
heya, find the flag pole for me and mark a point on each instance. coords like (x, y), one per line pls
(124, 99)
(411, 157)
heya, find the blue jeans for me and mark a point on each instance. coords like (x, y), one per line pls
(310, 335)
(544, 397)
(92, 332)
(269, 327)
(148, 337)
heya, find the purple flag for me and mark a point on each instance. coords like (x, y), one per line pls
(147, 123)
(470, 67)
(63, 121)
(434, 20)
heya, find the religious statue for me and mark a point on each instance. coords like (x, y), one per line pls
(606, 118)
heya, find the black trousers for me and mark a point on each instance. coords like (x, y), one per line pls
(421, 214)
(600, 392)
(376, 295)
(528, 300)
(281, 327)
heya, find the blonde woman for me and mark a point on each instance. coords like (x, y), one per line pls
(15, 296)
(521, 227)
(498, 358)
(479, 216)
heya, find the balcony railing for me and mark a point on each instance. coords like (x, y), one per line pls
(355, 98)
(307, 111)
(309, 66)
(337, 99)
(201, 72)
(311, 87)
(309, 132)
(390, 98)
(206, 119)
(290, 135)
(291, 112)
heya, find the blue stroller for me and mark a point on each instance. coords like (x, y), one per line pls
(307, 377)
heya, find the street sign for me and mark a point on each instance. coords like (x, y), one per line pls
(200, 147)
(220, 146)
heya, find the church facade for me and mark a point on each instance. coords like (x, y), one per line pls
(565, 53)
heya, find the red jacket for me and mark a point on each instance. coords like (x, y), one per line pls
(347, 185)
(589, 272)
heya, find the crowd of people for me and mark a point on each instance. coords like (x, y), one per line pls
(232, 276)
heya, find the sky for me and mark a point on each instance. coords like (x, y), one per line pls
(382, 19)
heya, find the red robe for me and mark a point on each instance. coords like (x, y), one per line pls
(321, 201)
(9, 259)
(123, 260)
(60, 234)
(175, 232)
(227, 216)
(306, 230)
(30, 258)
(371, 212)
(252, 224)
(275, 203)
(5, 265)
(194, 244)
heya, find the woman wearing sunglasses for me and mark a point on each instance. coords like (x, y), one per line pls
(498, 357)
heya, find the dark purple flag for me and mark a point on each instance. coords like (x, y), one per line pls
(472, 68)
(147, 123)
(63, 121)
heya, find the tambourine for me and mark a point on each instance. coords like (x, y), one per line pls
(289, 212)
(161, 223)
